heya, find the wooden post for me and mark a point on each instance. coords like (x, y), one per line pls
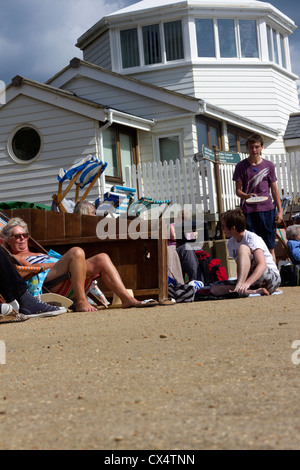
(218, 186)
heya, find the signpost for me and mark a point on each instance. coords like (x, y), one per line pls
(224, 157)
(218, 156)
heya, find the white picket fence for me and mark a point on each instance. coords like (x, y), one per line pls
(190, 182)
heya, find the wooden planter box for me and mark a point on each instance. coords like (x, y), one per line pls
(142, 263)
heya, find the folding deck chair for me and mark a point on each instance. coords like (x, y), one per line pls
(145, 204)
(281, 237)
(116, 202)
(82, 174)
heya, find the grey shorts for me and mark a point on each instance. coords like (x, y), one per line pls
(270, 280)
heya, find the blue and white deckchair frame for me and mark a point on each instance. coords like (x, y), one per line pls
(83, 173)
(116, 202)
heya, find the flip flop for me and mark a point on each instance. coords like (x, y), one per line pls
(147, 303)
(168, 301)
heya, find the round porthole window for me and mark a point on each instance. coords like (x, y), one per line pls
(24, 144)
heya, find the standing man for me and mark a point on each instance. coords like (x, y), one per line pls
(256, 176)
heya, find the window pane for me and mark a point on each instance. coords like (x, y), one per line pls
(151, 41)
(169, 148)
(248, 37)
(232, 142)
(214, 136)
(174, 40)
(269, 42)
(26, 144)
(126, 152)
(201, 134)
(276, 58)
(227, 38)
(205, 38)
(110, 152)
(283, 61)
(129, 48)
(243, 148)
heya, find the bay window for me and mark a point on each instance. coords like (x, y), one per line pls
(161, 42)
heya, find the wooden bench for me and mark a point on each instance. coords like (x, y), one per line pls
(142, 263)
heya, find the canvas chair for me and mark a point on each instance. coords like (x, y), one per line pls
(287, 202)
(116, 202)
(28, 272)
(281, 237)
(145, 204)
(82, 174)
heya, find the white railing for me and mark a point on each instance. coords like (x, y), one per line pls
(189, 182)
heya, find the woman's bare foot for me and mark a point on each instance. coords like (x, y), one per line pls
(85, 306)
(130, 302)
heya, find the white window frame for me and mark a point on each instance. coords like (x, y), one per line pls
(237, 40)
(10, 147)
(164, 61)
(156, 147)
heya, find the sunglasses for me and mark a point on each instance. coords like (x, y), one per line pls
(19, 236)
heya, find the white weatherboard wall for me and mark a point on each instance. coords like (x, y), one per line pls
(66, 137)
(119, 98)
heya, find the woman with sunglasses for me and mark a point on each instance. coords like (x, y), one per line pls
(21, 304)
(15, 236)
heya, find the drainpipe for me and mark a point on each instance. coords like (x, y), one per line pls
(108, 123)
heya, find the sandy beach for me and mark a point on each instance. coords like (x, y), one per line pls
(204, 375)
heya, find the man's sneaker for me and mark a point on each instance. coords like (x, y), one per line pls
(43, 310)
(8, 314)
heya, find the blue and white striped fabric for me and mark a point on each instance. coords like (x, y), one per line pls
(90, 166)
(116, 201)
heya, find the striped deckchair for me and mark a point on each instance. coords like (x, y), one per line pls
(145, 204)
(116, 202)
(83, 173)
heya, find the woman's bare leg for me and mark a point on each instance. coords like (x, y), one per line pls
(73, 262)
(102, 264)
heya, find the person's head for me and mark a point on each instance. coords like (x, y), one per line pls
(84, 208)
(293, 232)
(254, 144)
(15, 235)
(233, 220)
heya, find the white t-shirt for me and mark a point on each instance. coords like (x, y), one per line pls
(254, 242)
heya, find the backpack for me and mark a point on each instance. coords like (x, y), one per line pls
(217, 272)
(290, 275)
(211, 268)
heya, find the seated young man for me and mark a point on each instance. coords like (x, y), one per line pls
(293, 244)
(256, 271)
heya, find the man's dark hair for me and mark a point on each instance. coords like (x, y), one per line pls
(234, 218)
(255, 138)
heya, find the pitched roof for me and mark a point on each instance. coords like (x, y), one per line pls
(293, 127)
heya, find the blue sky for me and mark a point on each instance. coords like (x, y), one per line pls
(37, 37)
